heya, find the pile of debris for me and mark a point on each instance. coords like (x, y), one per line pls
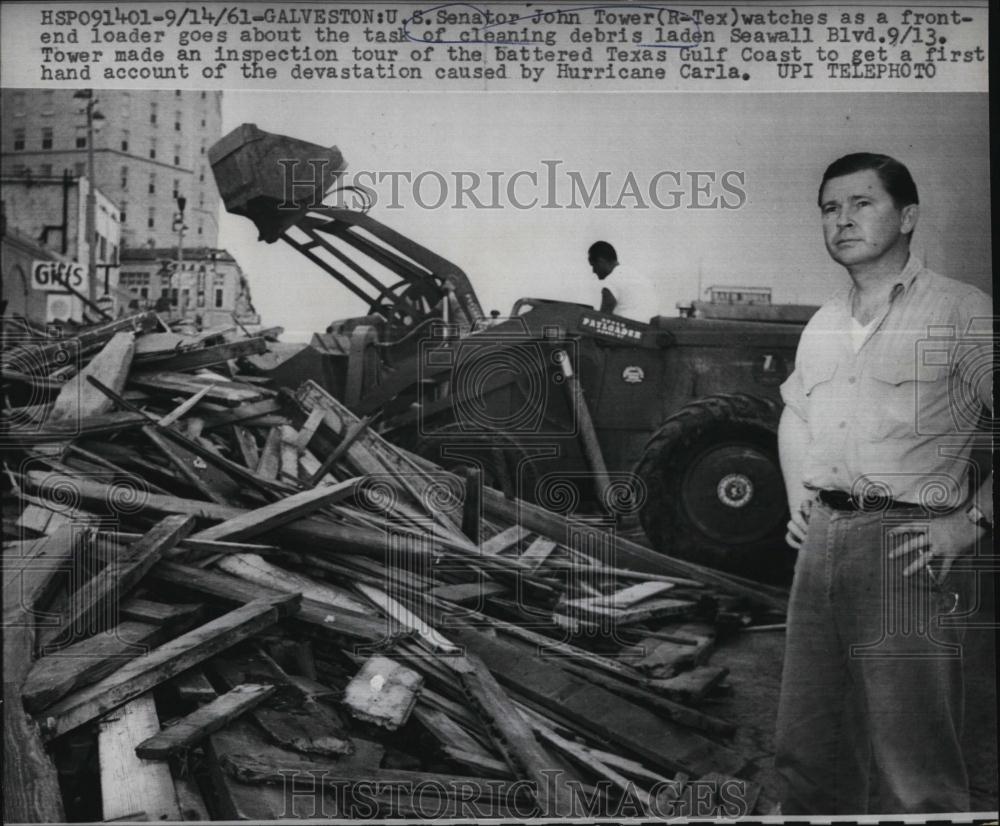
(227, 601)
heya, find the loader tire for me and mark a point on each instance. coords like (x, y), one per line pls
(715, 493)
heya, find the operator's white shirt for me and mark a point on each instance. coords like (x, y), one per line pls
(635, 294)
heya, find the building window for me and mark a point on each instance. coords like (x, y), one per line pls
(202, 123)
(18, 139)
(203, 149)
(144, 292)
(79, 169)
(177, 121)
(47, 107)
(199, 229)
(177, 93)
(103, 251)
(218, 299)
(177, 188)
(152, 113)
(201, 175)
(152, 184)
(114, 254)
(46, 170)
(202, 95)
(47, 137)
(125, 140)
(124, 211)
(151, 221)
(81, 140)
(124, 177)
(20, 170)
(177, 156)
(19, 99)
(152, 149)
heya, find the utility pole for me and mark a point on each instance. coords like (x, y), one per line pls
(93, 118)
(179, 226)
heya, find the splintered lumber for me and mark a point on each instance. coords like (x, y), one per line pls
(383, 692)
(617, 550)
(405, 618)
(247, 446)
(691, 686)
(269, 462)
(213, 483)
(255, 569)
(224, 392)
(504, 540)
(133, 788)
(199, 724)
(78, 399)
(661, 742)
(512, 736)
(253, 523)
(356, 627)
(537, 552)
(54, 676)
(193, 686)
(198, 358)
(190, 800)
(184, 407)
(469, 593)
(288, 454)
(162, 663)
(293, 719)
(122, 574)
(30, 783)
(633, 594)
(157, 613)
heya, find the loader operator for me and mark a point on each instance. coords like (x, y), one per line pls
(879, 417)
(625, 292)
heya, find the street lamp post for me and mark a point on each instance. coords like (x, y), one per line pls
(94, 121)
(179, 225)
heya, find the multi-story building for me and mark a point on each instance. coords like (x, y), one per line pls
(151, 147)
(207, 286)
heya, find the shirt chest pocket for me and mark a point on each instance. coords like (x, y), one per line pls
(902, 399)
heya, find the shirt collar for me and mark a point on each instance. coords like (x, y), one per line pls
(903, 283)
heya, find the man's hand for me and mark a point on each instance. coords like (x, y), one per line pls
(798, 525)
(944, 538)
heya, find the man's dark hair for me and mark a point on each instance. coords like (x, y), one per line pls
(602, 249)
(895, 177)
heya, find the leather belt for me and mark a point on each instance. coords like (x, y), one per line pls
(841, 501)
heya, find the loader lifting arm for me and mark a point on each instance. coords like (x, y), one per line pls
(260, 176)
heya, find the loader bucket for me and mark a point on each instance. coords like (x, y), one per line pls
(253, 183)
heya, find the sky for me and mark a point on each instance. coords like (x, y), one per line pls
(769, 149)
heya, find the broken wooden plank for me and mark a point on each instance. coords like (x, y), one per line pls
(269, 463)
(134, 788)
(184, 407)
(228, 393)
(503, 541)
(78, 399)
(355, 627)
(293, 720)
(213, 483)
(659, 741)
(193, 686)
(247, 446)
(54, 676)
(189, 799)
(288, 454)
(30, 783)
(398, 613)
(199, 724)
(254, 568)
(162, 663)
(308, 430)
(512, 736)
(157, 613)
(691, 686)
(537, 552)
(472, 504)
(473, 594)
(255, 522)
(383, 692)
(201, 357)
(108, 587)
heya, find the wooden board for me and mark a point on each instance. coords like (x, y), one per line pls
(157, 613)
(91, 602)
(691, 686)
(383, 692)
(54, 676)
(228, 393)
(253, 523)
(269, 461)
(199, 724)
(141, 674)
(641, 732)
(133, 788)
(293, 720)
(537, 552)
(506, 539)
(193, 686)
(79, 399)
(30, 784)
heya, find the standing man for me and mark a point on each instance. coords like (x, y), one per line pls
(890, 378)
(625, 292)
